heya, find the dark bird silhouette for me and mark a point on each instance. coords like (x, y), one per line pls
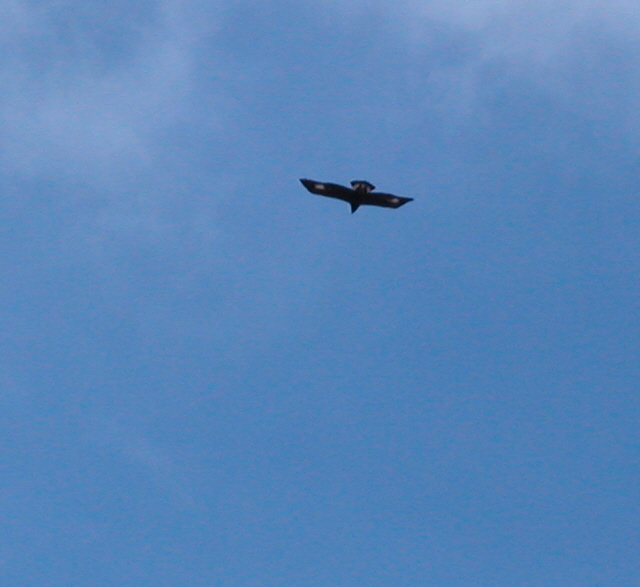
(360, 194)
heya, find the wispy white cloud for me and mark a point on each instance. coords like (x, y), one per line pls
(582, 55)
(538, 40)
(83, 94)
(90, 94)
(538, 36)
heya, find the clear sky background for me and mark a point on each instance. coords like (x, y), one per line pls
(210, 377)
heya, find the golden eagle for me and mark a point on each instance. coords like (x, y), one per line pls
(359, 194)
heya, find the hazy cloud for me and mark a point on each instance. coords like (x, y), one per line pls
(90, 96)
(582, 55)
(87, 85)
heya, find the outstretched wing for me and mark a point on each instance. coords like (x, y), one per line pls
(332, 190)
(384, 200)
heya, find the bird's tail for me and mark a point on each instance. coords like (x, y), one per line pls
(354, 206)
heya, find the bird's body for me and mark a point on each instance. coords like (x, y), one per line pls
(360, 194)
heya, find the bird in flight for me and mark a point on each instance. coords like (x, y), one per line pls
(359, 194)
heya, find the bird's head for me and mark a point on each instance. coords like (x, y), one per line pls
(362, 186)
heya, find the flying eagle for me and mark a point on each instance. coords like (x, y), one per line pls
(359, 194)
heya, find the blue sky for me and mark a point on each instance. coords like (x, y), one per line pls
(211, 377)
